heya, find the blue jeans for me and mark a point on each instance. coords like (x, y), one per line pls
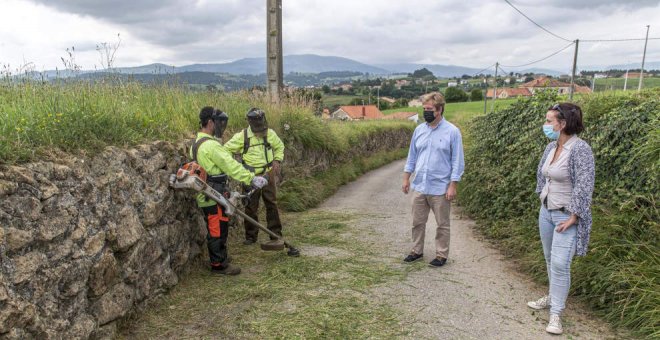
(558, 249)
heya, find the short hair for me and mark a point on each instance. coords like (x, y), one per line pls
(436, 99)
(205, 115)
(571, 114)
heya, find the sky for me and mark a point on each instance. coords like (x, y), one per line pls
(475, 33)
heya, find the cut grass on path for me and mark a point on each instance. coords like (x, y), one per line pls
(321, 294)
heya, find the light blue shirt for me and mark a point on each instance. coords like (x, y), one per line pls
(436, 157)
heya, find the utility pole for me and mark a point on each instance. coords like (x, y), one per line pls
(593, 83)
(492, 106)
(274, 62)
(486, 100)
(625, 82)
(378, 96)
(641, 74)
(571, 90)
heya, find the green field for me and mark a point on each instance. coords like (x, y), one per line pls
(608, 84)
(460, 113)
(330, 100)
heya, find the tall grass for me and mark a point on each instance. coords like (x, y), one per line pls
(84, 117)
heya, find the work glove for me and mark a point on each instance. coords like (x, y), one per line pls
(259, 182)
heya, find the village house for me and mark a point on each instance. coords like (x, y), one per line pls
(452, 84)
(401, 82)
(544, 83)
(357, 112)
(506, 92)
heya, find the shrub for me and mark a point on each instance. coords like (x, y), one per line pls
(454, 94)
(476, 95)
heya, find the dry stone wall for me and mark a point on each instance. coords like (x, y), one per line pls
(84, 241)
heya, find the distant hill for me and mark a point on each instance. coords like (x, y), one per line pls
(304, 63)
(316, 64)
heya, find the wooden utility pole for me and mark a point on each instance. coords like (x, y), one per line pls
(274, 63)
(572, 89)
(641, 74)
(492, 105)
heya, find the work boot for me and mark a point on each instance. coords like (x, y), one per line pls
(554, 325)
(226, 270)
(438, 262)
(413, 257)
(541, 303)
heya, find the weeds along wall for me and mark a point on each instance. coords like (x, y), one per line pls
(90, 231)
(619, 275)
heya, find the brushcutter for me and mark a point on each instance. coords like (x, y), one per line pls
(193, 176)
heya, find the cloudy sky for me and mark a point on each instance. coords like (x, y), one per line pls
(472, 33)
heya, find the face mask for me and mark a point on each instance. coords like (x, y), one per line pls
(429, 116)
(549, 132)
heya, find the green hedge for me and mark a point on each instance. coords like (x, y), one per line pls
(620, 275)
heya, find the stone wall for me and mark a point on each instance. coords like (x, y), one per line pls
(86, 240)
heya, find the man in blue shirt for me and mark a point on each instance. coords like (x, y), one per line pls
(436, 159)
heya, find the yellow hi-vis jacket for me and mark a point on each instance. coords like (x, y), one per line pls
(217, 160)
(258, 156)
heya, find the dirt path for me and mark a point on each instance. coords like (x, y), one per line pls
(478, 294)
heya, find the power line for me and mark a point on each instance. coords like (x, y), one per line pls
(486, 68)
(542, 59)
(585, 40)
(608, 40)
(528, 18)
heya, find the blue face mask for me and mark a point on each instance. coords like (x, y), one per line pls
(550, 132)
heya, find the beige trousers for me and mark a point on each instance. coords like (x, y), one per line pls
(420, 211)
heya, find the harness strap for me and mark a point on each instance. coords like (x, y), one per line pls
(196, 145)
(246, 146)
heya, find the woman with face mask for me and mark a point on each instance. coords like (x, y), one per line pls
(565, 183)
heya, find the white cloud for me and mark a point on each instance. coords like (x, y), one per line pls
(475, 33)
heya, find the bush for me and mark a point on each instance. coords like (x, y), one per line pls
(476, 95)
(454, 95)
(619, 275)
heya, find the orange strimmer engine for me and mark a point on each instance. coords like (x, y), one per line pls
(192, 169)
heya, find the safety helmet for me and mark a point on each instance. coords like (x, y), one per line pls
(257, 120)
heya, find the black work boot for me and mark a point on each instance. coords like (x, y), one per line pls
(413, 257)
(438, 262)
(225, 270)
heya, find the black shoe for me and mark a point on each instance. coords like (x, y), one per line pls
(438, 262)
(226, 270)
(413, 257)
(249, 242)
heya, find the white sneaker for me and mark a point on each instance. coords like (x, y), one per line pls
(541, 303)
(554, 325)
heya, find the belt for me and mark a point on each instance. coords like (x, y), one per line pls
(545, 204)
(254, 169)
